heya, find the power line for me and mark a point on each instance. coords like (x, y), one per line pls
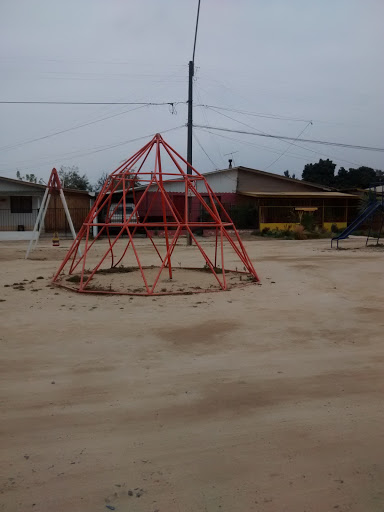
(76, 60)
(47, 76)
(205, 153)
(287, 148)
(236, 120)
(144, 104)
(205, 115)
(291, 143)
(124, 142)
(253, 144)
(260, 131)
(296, 156)
(256, 114)
(284, 137)
(97, 149)
(111, 146)
(273, 117)
(76, 127)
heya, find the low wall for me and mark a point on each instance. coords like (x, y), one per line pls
(15, 235)
(286, 225)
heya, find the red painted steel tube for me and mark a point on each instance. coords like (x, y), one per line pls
(182, 159)
(154, 245)
(157, 294)
(103, 258)
(186, 209)
(74, 258)
(85, 257)
(193, 188)
(209, 263)
(242, 257)
(126, 177)
(132, 158)
(160, 183)
(222, 259)
(138, 261)
(167, 256)
(103, 226)
(116, 182)
(136, 227)
(216, 251)
(196, 224)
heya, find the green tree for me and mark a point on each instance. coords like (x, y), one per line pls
(32, 178)
(100, 182)
(361, 177)
(287, 175)
(342, 178)
(70, 178)
(323, 173)
(104, 176)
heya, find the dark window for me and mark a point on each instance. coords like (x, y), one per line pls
(21, 204)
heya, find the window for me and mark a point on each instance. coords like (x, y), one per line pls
(21, 204)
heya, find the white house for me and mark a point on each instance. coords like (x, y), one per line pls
(19, 206)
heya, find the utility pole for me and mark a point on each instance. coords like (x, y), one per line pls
(191, 69)
(190, 115)
(189, 133)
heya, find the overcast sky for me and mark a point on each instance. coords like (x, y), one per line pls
(298, 59)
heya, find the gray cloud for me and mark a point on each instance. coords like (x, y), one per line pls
(303, 59)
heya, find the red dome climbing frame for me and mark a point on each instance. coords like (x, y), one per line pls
(143, 188)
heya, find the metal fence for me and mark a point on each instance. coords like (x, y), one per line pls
(244, 217)
(289, 214)
(55, 220)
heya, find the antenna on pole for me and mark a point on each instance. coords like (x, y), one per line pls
(191, 70)
(230, 160)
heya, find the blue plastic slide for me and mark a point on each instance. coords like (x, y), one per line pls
(370, 210)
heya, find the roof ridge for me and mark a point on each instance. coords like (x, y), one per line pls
(285, 178)
(42, 186)
(272, 174)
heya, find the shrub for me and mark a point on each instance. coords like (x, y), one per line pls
(308, 221)
(286, 234)
(276, 233)
(334, 228)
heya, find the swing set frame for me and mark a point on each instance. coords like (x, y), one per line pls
(54, 188)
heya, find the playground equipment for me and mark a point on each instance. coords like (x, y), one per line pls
(157, 163)
(54, 189)
(376, 204)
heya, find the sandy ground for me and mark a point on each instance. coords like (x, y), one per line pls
(266, 398)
